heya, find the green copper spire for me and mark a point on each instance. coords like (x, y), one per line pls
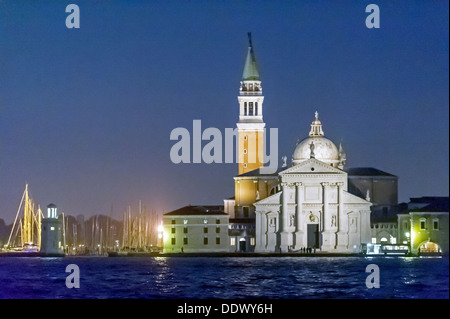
(250, 70)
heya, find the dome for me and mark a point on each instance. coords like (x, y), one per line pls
(319, 147)
(324, 150)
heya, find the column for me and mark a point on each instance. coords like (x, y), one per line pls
(264, 230)
(284, 219)
(327, 235)
(258, 233)
(299, 191)
(341, 234)
(325, 206)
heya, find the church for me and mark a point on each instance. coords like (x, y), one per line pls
(306, 205)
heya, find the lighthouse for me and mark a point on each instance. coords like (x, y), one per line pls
(51, 232)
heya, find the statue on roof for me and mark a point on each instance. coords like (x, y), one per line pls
(311, 147)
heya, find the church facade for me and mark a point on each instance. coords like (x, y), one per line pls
(313, 208)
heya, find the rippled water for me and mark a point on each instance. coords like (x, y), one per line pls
(198, 277)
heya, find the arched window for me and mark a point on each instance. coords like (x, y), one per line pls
(250, 108)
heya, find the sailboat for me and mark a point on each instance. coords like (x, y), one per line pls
(26, 231)
(25, 236)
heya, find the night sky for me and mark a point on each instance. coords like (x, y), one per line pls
(86, 114)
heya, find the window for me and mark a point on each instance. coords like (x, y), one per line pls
(232, 241)
(205, 221)
(185, 221)
(185, 241)
(422, 224)
(256, 108)
(245, 108)
(252, 241)
(218, 241)
(384, 240)
(217, 230)
(436, 224)
(374, 240)
(185, 230)
(245, 211)
(250, 108)
(173, 221)
(173, 241)
(205, 241)
(245, 151)
(205, 230)
(173, 230)
(52, 228)
(393, 240)
(245, 165)
(217, 221)
(245, 137)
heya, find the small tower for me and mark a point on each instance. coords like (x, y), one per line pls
(250, 125)
(51, 232)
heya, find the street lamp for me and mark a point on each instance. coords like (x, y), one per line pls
(160, 234)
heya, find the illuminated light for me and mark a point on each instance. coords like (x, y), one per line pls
(407, 234)
(52, 228)
(160, 228)
(159, 236)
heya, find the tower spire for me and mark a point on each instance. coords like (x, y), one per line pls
(250, 69)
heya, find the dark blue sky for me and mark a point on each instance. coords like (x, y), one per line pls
(86, 114)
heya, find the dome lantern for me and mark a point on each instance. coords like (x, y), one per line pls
(319, 147)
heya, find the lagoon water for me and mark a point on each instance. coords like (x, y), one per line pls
(224, 277)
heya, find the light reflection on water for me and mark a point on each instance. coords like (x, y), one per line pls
(198, 277)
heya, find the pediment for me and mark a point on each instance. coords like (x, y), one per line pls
(271, 200)
(353, 199)
(312, 166)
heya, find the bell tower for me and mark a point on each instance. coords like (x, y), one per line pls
(250, 125)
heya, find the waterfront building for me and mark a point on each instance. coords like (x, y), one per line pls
(424, 225)
(193, 229)
(51, 230)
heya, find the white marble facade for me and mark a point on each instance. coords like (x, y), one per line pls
(313, 209)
